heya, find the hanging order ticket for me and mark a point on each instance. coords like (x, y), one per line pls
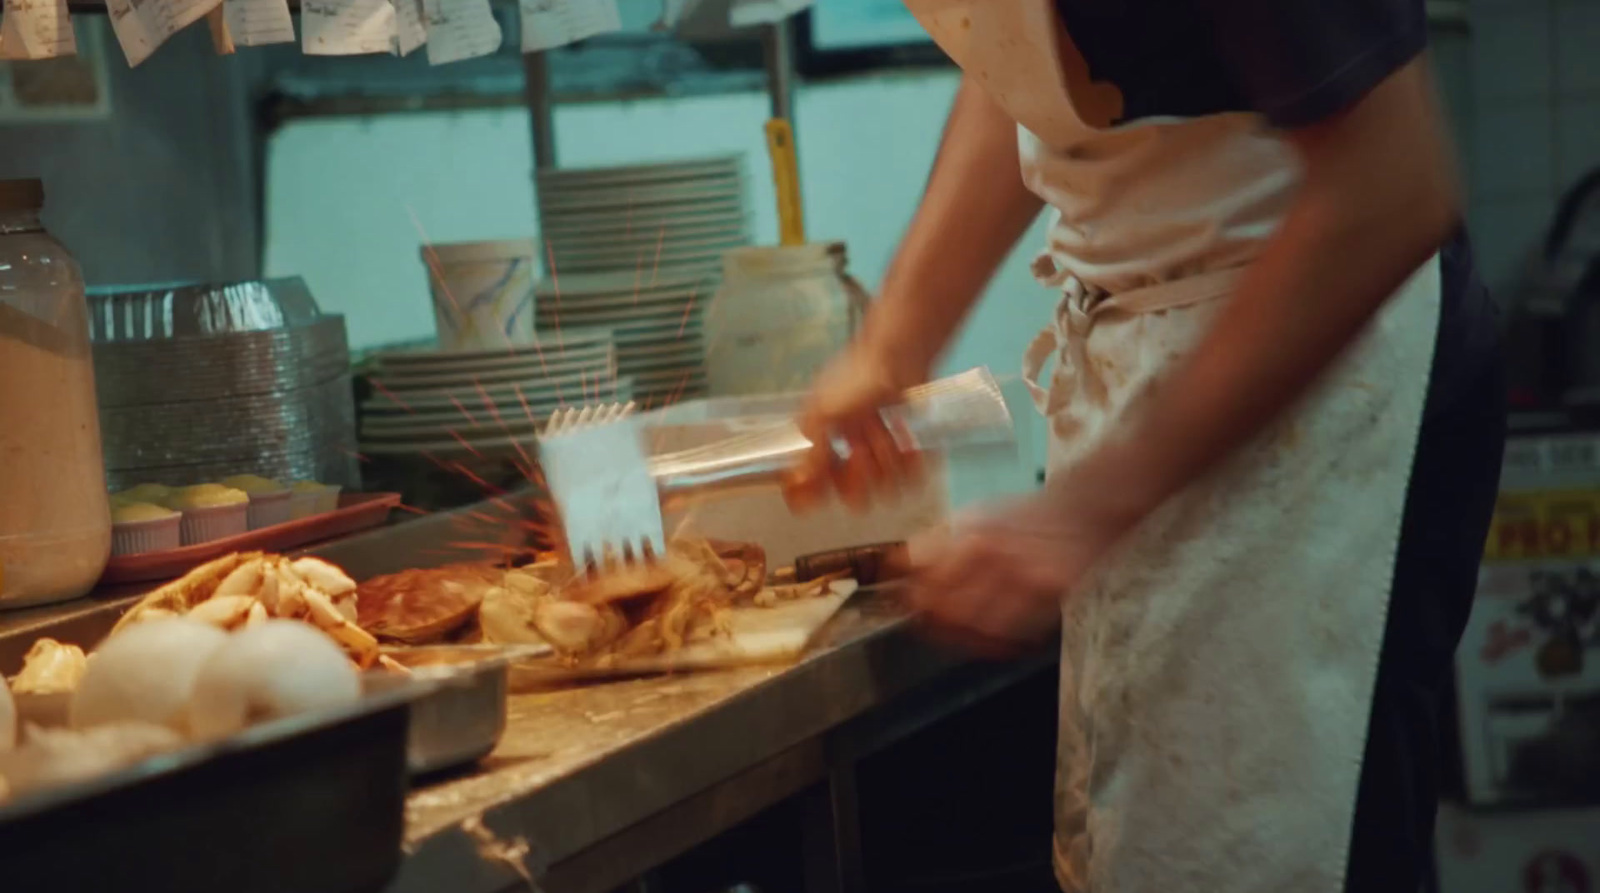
(547, 24)
(36, 29)
(144, 25)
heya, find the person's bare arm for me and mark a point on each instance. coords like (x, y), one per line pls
(974, 210)
(972, 213)
(1379, 197)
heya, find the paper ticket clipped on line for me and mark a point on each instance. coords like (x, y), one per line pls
(257, 23)
(745, 13)
(142, 26)
(460, 29)
(346, 27)
(410, 31)
(36, 29)
(547, 24)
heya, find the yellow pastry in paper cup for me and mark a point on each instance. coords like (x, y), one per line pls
(211, 512)
(269, 500)
(312, 498)
(140, 527)
(146, 493)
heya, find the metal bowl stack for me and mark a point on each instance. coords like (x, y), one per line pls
(198, 382)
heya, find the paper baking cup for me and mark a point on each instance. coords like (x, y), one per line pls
(152, 535)
(303, 504)
(214, 523)
(328, 499)
(267, 509)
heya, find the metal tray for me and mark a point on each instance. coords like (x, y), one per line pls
(312, 804)
(461, 718)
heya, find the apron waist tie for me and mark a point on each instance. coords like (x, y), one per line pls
(1081, 304)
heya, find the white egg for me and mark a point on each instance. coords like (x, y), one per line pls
(8, 718)
(275, 668)
(145, 674)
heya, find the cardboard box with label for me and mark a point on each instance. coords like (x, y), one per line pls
(1528, 669)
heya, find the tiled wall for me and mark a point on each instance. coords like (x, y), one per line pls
(1535, 120)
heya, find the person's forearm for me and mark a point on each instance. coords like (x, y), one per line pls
(1378, 199)
(974, 210)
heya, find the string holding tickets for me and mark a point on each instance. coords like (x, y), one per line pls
(36, 29)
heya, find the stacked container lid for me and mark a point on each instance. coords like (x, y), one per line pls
(199, 382)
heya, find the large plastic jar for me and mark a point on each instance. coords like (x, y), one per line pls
(780, 314)
(55, 520)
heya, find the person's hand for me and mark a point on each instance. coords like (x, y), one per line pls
(994, 582)
(844, 403)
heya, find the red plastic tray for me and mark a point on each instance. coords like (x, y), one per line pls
(356, 511)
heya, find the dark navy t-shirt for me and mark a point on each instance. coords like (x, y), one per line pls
(1295, 62)
(1292, 61)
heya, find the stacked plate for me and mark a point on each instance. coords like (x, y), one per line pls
(654, 217)
(655, 322)
(483, 403)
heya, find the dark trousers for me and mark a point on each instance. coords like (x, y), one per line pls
(1449, 502)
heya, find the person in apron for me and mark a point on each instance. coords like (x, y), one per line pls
(1275, 415)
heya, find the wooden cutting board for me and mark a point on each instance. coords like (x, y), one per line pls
(755, 635)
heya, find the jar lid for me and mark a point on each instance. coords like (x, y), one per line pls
(21, 195)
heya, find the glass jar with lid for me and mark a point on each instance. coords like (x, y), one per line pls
(780, 314)
(55, 520)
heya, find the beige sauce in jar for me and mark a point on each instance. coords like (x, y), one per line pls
(55, 517)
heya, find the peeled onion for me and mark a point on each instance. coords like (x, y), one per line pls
(145, 673)
(8, 718)
(275, 668)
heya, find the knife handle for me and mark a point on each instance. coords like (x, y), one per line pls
(869, 564)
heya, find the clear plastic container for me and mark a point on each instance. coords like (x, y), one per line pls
(55, 517)
(781, 313)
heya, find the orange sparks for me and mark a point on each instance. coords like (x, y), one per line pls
(432, 259)
(638, 277)
(463, 441)
(678, 391)
(656, 267)
(688, 308)
(526, 409)
(555, 283)
(495, 414)
(457, 403)
(390, 395)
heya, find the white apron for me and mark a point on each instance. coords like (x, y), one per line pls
(1217, 674)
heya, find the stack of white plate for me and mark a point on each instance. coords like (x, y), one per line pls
(651, 218)
(656, 323)
(484, 403)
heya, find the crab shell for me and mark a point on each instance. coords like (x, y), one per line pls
(425, 605)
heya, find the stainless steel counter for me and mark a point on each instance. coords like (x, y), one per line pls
(594, 785)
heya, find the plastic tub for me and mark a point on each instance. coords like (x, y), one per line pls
(55, 515)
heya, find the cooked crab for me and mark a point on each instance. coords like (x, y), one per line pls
(247, 588)
(50, 667)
